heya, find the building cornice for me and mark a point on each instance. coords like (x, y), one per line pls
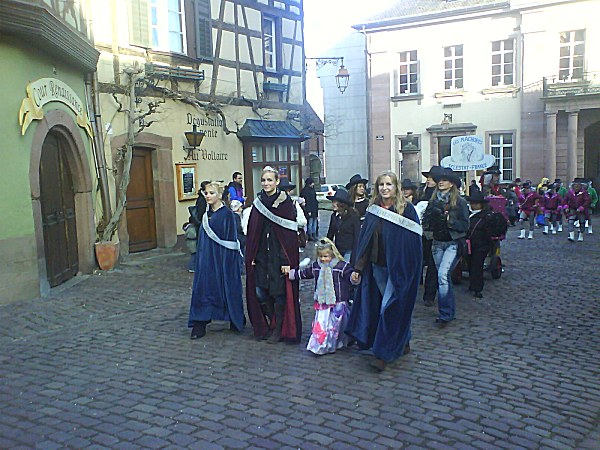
(431, 17)
(36, 25)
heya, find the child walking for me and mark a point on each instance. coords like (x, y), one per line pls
(191, 242)
(332, 291)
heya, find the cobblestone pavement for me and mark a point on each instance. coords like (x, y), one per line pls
(108, 363)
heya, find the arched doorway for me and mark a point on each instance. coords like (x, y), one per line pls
(592, 153)
(57, 201)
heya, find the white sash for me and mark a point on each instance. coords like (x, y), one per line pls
(285, 223)
(396, 219)
(230, 245)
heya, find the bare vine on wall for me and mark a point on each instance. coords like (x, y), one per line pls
(136, 122)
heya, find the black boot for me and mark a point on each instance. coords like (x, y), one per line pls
(198, 330)
(276, 335)
(267, 311)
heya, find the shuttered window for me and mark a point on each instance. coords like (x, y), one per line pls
(139, 24)
(204, 48)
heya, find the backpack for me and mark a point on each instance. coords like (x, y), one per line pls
(496, 224)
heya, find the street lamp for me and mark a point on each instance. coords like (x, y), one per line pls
(342, 77)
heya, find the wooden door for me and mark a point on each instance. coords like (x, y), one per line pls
(141, 222)
(57, 200)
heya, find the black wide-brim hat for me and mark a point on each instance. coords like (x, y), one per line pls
(447, 174)
(356, 179)
(408, 184)
(341, 196)
(285, 185)
(432, 171)
(477, 197)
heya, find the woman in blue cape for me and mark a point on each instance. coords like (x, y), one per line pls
(217, 290)
(388, 263)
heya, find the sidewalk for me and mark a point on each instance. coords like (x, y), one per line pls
(108, 363)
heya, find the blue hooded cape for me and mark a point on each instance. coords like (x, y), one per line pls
(387, 332)
(217, 290)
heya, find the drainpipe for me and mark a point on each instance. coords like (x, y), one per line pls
(91, 83)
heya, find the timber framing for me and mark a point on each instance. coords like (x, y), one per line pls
(37, 26)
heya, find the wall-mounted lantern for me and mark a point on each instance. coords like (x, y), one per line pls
(194, 139)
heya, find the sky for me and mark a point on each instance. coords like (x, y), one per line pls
(325, 23)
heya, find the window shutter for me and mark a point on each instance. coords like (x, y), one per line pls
(139, 23)
(204, 47)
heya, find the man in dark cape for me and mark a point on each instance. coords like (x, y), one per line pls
(217, 291)
(288, 239)
(387, 332)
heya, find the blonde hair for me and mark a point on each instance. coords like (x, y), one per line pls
(399, 201)
(270, 169)
(218, 185)
(327, 245)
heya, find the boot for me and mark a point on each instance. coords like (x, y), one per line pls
(587, 223)
(545, 229)
(267, 310)
(580, 237)
(554, 230)
(198, 330)
(522, 235)
(530, 235)
(559, 228)
(572, 236)
(590, 229)
(276, 335)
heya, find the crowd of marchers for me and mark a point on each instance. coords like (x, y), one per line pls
(381, 243)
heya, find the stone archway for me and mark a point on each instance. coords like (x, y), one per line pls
(592, 153)
(62, 124)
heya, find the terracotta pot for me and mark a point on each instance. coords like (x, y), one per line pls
(107, 254)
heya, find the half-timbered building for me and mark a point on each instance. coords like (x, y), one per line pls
(229, 70)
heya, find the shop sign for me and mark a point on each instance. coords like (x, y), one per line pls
(46, 90)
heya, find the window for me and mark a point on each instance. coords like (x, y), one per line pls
(502, 147)
(406, 77)
(167, 25)
(453, 67)
(269, 43)
(281, 156)
(503, 57)
(572, 52)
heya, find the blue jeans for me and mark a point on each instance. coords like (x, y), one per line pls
(384, 284)
(445, 255)
(311, 228)
(386, 288)
(263, 296)
(192, 262)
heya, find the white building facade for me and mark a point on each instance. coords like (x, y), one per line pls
(520, 74)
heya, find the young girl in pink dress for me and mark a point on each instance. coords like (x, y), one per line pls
(332, 291)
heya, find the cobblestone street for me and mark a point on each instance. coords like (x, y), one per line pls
(108, 363)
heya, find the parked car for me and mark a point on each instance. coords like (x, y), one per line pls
(328, 190)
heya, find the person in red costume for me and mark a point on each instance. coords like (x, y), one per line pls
(576, 207)
(271, 248)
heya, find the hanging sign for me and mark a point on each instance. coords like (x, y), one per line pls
(46, 90)
(466, 153)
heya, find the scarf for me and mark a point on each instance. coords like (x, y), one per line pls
(443, 197)
(325, 292)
